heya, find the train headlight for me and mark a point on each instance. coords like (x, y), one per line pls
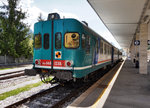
(69, 63)
(37, 62)
(73, 35)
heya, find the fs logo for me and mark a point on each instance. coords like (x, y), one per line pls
(58, 55)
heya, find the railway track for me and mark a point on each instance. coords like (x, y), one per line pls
(73, 93)
(11, 75)
(31, 98)
(55, 97)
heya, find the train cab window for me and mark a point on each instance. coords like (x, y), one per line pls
(71, 40)
(87, 44)
(37, 41)
(83, 41)
(46, 41)
(58, 40)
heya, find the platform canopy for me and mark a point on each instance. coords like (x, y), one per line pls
(121, 17)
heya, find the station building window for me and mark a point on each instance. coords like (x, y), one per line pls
(46, 41)
(37, 41)
(71, 40)
(58, 40)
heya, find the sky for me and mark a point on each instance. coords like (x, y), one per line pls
(78, 9)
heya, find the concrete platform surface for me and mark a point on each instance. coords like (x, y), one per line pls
(131, 89)
(20, 68)
(96, 93)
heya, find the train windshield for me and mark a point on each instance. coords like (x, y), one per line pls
(37, 41)
(71, 40)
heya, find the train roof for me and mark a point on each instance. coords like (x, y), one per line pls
(85, 27)
(96, 34)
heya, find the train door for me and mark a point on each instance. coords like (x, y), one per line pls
(46, 46)
(52, 44)
(57, 51)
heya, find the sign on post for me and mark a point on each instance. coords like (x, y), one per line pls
(137, 42)
(148, 42)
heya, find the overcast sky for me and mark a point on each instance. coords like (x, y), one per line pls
(79, 9)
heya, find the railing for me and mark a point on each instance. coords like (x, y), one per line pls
(4, 60)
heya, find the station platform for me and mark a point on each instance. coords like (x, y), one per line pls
(20, 68)
(122, 87)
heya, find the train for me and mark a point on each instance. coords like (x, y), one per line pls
(68, 50)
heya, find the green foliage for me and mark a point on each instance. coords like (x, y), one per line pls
(40, 17)
(19, 90)
(15, 36)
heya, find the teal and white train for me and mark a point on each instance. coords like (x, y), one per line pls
(69, 50)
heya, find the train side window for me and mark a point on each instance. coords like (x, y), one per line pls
(58, 38)
(71, 40)
(37, 41)
(97, 46)
(83, 41)
(46, 41)
(109, 50)
(101, 47)
(87, 44)
(105, 49)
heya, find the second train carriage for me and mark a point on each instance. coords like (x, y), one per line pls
(68, 49)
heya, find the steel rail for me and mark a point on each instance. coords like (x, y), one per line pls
(12, 76)
(16, 104)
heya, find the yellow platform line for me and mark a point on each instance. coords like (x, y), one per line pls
(103, 96)
(86, 93)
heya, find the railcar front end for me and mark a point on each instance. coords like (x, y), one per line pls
(67, 49)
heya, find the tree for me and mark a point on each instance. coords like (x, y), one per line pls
(40, 17)
(15, 33)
